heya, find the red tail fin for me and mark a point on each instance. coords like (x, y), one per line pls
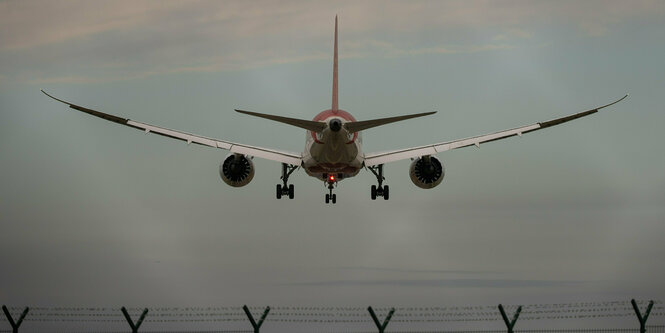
(334, 89)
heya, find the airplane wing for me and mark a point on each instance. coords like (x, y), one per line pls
(269, 154)
(402, 154)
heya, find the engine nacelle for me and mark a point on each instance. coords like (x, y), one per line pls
(236, 170)
(426, 172)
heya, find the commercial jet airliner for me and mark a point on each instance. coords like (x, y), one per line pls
(333, 147)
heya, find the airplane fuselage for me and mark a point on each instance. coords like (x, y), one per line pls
(334, 151)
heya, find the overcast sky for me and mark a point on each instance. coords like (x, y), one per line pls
(92, 213)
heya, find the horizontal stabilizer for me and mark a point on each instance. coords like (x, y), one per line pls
(309, 125)
(358, 126)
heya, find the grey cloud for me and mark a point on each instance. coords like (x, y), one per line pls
(108, 41)
(31, 23)
(445, 283)
(426, 271)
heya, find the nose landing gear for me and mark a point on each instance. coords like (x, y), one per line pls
(286, 189)
(331, 185)
(380, 190)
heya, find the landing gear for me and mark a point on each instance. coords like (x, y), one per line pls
(380, 190)
(332, 198)
(331, 185)
(285, 188)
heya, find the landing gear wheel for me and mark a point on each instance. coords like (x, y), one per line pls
(285, 189)
(379, 190)
(334, 198)
(327, 198)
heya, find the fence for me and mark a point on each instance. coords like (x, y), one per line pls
(330, 318)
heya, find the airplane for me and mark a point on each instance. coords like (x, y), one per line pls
(333, 147)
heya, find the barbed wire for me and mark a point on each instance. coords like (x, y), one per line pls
(336, 314)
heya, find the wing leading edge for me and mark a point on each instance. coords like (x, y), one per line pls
(269, 154)
(401, 154)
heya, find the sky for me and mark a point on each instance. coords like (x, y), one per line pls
(96, 214)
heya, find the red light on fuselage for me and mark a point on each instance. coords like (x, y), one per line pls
(331, 178)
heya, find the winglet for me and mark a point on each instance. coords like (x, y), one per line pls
(617, 101)
(335, 87)
(57, 99)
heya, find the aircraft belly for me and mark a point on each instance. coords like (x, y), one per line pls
(334, 152)
(341, 158)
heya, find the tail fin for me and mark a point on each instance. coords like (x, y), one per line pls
(334, 89)
(357, 126)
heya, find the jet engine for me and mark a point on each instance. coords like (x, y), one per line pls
(236, 170)
(426, 172)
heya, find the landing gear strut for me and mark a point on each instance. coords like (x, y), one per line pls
(286, 189)
(380, 190)
(331, 185)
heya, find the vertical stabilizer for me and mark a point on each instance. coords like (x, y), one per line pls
(334, 89)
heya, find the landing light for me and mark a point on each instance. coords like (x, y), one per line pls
(331, 178)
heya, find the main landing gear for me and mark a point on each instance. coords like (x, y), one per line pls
(285, 189)
(331, 185)
(380, 190)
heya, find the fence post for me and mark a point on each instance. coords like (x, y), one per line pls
(134, 326)
(15, 325)
(381, 327)
(643, 320)
(256, 325)
(510, 323)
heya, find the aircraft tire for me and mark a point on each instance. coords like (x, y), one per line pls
(373, 192)
(279, 191)
(334, 198)
(386, 192)
(291, 192)
(327, 198)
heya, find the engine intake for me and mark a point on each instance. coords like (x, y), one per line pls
(236, 170)
(426, 172)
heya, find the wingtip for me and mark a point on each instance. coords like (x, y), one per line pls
(615, 102)
(55, 98)
(45, 93)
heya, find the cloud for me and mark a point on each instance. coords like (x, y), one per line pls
(444, 283)
(82, 41)
(427, 271)
(27, 24)
(64, 79)
(513, 33)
